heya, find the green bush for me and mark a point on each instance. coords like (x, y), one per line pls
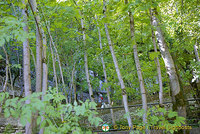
(58, 118)
(158, 118)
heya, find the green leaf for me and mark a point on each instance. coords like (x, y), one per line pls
(153, 55)
(17, 66)
(172, 114)
(75, 103)
(43, 124)
(23, 120)
(6, 113)
(39, 120)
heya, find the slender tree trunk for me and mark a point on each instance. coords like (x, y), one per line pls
(124, 94)
(10, 75)
(158, 66)
(6, 80)
(86, 61)
(26, 58)
(72, 87)
(39, 45)
(105, 75)
(45, 74)
(7, 64)
(54, 66)
(139, 72)
(195, 82)
(177, 94)
(54, 70)
(20, 73)
(59, 63)
(9, 71)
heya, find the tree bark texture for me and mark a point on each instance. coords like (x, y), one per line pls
(157, 65)
(105, 75)
(86, 60)
(124, 94)
(45, 74)
(177, 94)
(27, 71)
(138, 67)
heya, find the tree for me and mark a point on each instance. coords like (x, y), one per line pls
(157, 64)
(105, 76)
(86, 60)
(123, 88)
(139, 72)
(177, 94)
(39, 48)
(26, 59)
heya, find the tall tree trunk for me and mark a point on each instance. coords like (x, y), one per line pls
(86, 61)
(124, 94)
(39, 45)
(9, 71)
(26, 59)
(59, 63)
(139, 72)
(54, 66)
(10, 75)
(6, 80)
(177, 94)
(72, 87)
(45, 74)
(195, 82)
(158, 66)
(105, 75)
(7, 64)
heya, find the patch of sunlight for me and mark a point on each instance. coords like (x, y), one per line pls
(60, 1)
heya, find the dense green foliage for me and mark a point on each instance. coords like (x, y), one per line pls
(58, 118)
(179, 23)
(64, 20)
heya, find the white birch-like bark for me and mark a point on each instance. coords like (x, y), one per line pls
(124, 94)
(177, 97)
(197, 57)
(196, 52)
(157, 65)
(169, 63)
(105, 75)
(26, 61)
(86, 60)
(139, 72)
